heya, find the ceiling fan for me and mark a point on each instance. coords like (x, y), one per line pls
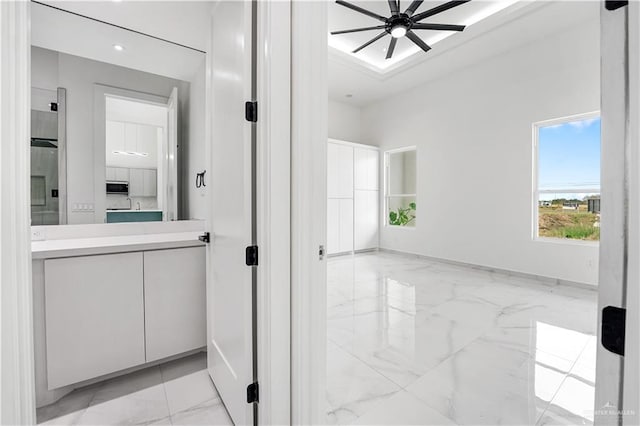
(401, 24)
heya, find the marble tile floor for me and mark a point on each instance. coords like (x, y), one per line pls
(179, 392)
(417, 341)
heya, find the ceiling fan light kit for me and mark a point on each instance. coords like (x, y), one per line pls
(401, 24)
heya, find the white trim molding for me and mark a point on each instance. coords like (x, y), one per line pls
(631, 374)
(17, 403)
(273, 211)
(309, 128)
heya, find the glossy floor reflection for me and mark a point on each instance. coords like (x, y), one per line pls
(179, 392)
(416, 341)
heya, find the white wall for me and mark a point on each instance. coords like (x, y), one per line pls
(345, 122)
(78, 75)
(473, 130)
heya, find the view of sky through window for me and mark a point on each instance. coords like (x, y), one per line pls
(569, 156)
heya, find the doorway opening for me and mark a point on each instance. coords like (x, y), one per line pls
(475, 180)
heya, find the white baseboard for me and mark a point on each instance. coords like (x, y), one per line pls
(550, 281)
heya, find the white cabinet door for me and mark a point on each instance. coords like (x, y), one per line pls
(365, 169)
(136, 182)
(339, 171)
(333, 225)
(122, 174)
(110, 173)
(366, 213)
(373, 167)
(346, 225)
(149, 182)
(94, 316)
(174, 301)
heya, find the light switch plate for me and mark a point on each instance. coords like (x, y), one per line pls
(38, 234)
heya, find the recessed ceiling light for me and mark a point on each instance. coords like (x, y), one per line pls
(118, 47)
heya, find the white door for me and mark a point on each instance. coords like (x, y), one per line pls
(620, 219)
(230, 282)
(170, 202)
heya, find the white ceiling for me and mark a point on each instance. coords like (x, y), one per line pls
(118, 109)
(75, 35)
(374, 56)
(514, 26)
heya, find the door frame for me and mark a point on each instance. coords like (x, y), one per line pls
(631, 374)
(100, 94)
(273, 167)
(17, 404)
(273, 210)
(309, 135)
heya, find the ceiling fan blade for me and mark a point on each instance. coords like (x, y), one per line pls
(438, 27)
(392, 46)
(417, 40)
(361, 10)
(413, 7)
(355, 30)
(373, 40)
(438, 9)
(393, 5)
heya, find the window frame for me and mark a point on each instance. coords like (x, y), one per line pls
(536, 126)
(387, 195)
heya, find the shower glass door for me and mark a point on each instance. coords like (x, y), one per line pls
(45, 190)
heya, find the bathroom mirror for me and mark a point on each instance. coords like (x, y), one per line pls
(117, 122)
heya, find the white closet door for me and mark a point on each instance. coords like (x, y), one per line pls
(346, 225)
(365, 169)
(360, 157)
(333, 226)
(339, 171)
(373, 167)
(366, 223)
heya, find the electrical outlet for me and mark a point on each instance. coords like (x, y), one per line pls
(38, 234)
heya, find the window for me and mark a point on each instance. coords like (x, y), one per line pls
(400, 187)
(567, 184)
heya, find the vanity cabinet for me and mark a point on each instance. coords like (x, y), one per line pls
(174, 301)
(142, 183)
(94, 312)
(107, 313)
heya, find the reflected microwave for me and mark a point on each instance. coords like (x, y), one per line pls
(114, 187)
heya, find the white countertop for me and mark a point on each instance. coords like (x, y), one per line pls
(133, 210)
(71, 247)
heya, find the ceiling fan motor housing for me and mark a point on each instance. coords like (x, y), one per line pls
(400, 20)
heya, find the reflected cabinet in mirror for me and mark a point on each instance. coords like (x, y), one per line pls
(117, 123)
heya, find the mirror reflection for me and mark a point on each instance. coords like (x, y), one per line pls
(117, 123)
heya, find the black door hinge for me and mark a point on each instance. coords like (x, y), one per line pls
(253, 394)
(252, 256)
(615, 4)
(251, 111)
(205, 238)
(613, 329)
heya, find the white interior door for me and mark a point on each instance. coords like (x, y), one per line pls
(170, 205)
(230, 282)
